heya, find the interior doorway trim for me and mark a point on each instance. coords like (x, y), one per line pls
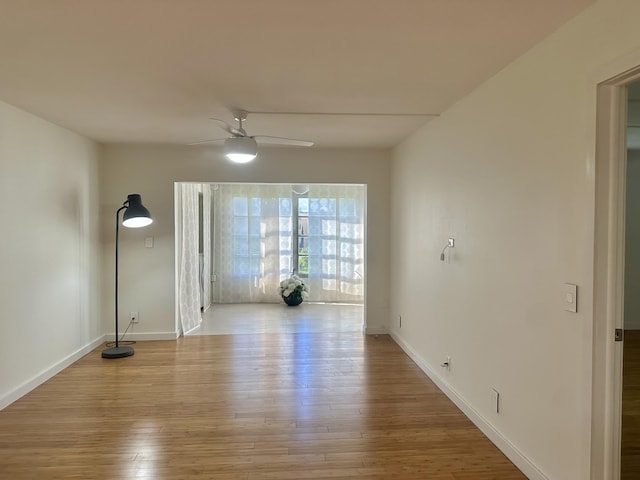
(178, 221)
(610, 179)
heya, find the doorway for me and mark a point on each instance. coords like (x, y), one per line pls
(630, 431)
(614, 434)
(253, 236)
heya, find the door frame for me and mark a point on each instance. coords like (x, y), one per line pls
(178, 239)
(609, 258)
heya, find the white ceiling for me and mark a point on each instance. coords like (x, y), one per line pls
(155, 70)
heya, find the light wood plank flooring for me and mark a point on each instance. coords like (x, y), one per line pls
(339, 406)
(630, 452)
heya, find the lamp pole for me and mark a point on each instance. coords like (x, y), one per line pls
(123, 207)
(136, 215)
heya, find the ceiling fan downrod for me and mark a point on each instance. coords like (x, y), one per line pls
(240, 116)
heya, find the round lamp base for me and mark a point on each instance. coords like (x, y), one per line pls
(117, 352)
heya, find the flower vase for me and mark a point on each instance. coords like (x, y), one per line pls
(293, 300)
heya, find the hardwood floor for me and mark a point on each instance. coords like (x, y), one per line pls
(630, 452)
(338, 406)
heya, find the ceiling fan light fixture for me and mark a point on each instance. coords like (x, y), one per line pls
(240, 149)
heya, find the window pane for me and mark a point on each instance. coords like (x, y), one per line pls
(254, 226)
(315, 266)
(315, 226)
(285, 264)
(303, 265)
(256, 204)
(254, 245)
(303, 226)
(329, 268)
(303, 206)
(351, 231)
(303, 246)
(256, 265)
(240, 206)
(240, 245)
(322, 206)
(346, 270)
(329, 228)
(241, 265)
(285, 243)
(240, 225)
(270, 207)
(285, 225)
(285, 207)
(315, 246)
(348, 207)
(329, 248)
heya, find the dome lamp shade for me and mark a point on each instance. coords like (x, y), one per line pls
(240, 149)
(136, 215)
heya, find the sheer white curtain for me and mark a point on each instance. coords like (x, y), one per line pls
(189, 288)
(253, 238)
(336, 234)
(207, 246)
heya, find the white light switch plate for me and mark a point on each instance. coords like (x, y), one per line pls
(570, 296)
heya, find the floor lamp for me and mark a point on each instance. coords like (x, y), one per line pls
(135, 216)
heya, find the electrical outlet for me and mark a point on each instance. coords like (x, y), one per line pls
(133, 317)
(446, 364)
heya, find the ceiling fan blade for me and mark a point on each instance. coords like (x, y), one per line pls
(207, 141)
(228, 128)
(283, 141)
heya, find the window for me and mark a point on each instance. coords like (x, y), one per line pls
(263, 233)
(330, 239)
(302, 237)
(250, 235)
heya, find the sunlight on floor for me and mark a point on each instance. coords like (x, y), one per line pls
(225, 319)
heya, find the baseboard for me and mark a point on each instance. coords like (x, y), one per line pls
(376, 330)
(519, 459)
(144, 336)
(48, 373)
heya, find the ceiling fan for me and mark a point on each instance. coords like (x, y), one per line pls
(241, 147)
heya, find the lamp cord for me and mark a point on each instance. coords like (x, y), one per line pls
(128, 342)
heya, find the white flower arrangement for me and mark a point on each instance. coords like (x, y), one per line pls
(294, 287)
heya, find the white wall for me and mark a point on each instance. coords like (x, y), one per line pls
(49, 250)
(147, 275)
(632, 243)
(509, 172)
